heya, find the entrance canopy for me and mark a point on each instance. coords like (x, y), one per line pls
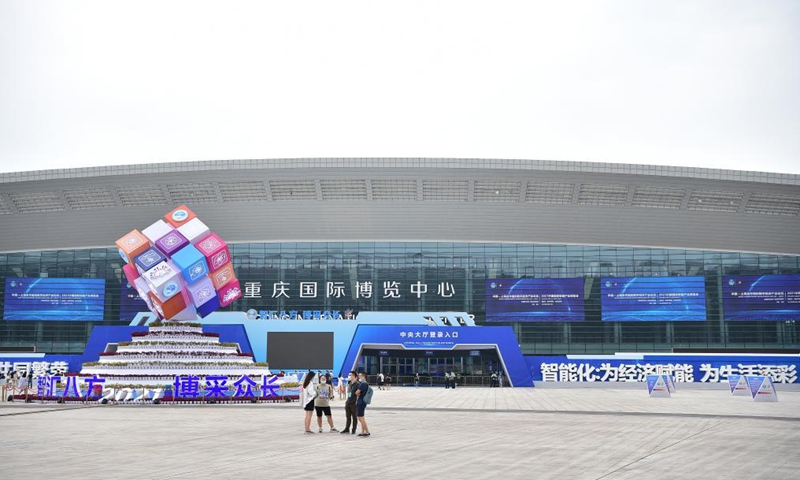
(418, 339)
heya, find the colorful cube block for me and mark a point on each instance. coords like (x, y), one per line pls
(222, 276)
(208, 307)
(157, 230)
(179, 267)
(148, 259)
(131, 274)
(229, 293)
(170, 307)
(179, 216)
(201, 291)
(143, 290)
(215, 250)
(164, 281)
(191, 263)
(171, 243)
(187, 314)
(132, 244)
(194, 230)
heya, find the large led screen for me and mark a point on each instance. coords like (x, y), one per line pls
(653, 299)
(761, 297)
(534, 300)
(54, 299)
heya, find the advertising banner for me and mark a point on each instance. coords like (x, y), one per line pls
(534, 300)
(761, 297)
(653, 299)
(56, 299)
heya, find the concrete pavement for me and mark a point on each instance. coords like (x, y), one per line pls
(574, 433)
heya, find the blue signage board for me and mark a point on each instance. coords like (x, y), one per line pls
(761, 297)
(534, 300)
(77, 299)
(635, 367)
(653, 299)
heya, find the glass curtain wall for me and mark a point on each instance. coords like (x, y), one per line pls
(429, 276)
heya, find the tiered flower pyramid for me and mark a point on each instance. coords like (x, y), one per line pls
(179, 267)
(172, 349)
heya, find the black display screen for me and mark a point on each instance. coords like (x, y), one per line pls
(300, 350)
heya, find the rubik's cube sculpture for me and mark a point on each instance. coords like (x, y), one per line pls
(179, 267)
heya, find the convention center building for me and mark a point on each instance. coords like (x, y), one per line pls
(578, 259)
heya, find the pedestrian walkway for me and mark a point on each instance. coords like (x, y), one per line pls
(425, 433)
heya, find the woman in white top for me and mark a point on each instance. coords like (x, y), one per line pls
(307, 396)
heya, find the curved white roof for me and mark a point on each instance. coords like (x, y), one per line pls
(410, 199)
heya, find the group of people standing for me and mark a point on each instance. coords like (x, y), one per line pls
(316, 396)
(450, 380)
(384, 382)
(12, 383)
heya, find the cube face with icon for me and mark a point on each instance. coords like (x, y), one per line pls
(222, 276)
(229, 293)
(164, 280)
(194, 230)
(148, 259)
(179, 267)
(191, 263)
(201, 292)
(131, 245)
(157, 230)
(171, 243)
(215, 250)
(179, 216)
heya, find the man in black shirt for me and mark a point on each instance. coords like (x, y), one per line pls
(350, 407)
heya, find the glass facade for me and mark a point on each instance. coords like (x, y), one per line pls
(308, 278)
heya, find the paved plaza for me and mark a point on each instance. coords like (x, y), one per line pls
(559, 433)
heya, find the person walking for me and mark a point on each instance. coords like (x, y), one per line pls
(350, 405)
(324, 394)
(307, 396)
(416, 379)
(381, 380)
(361, 405)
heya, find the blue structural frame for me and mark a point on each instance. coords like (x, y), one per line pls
(425, 331)
(501, 339)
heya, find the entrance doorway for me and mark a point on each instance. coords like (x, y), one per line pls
(474, 366)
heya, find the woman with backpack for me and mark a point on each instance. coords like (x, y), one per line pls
(307, 396)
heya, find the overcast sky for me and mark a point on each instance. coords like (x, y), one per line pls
(695, 83)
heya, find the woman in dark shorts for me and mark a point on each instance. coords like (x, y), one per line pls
(307, 396)
(322, 403)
